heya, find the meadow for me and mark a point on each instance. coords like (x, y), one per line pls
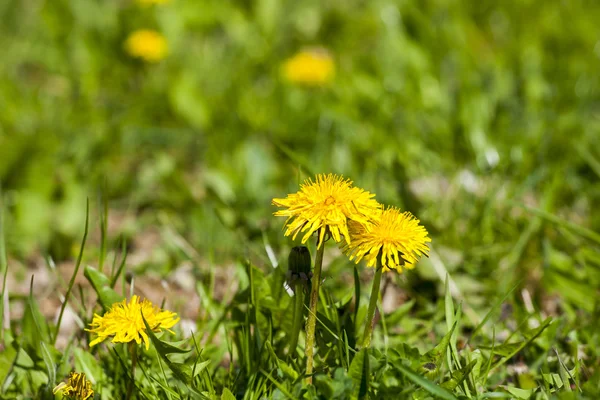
(151, 152)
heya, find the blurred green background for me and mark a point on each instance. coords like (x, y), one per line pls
(459, 111)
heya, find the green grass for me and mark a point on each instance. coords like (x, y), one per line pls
(481, 118)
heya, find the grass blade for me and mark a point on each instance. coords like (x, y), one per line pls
(4, 270)
(537, 333)
(77, 265)
(490, 312)
(426, 384)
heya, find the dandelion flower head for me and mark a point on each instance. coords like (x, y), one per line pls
(313, 67)
(146, 44)
(124, 322)
(77, 387)
(395, 236)
(327, 204)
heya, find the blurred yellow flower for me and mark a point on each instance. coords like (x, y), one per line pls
(328, 202)
(146, 44)
(313, 67)
(77, 387)
(124, 322)
(395, 236)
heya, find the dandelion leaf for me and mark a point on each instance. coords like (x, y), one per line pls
(181, 371)
(101, 284)
(359, 372)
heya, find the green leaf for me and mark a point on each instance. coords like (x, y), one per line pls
(532, 335)
(426, 384)
(35, 329)
(458, 376)
(505, 349)
(102, 285)
(227, 395)
(359, 372)
(285, 368)
(50, 365)
(436, 355)
(181, 371)
(199, 367)
(85, 362)
(8, 357)
(520, 394)
(404, 351)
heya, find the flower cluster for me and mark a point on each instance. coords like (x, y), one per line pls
(353, 218)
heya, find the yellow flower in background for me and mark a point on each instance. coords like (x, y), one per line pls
(396, 236)
(313, 67)
(146, 44)
(77, 387)
(124, 322)
(328, 202)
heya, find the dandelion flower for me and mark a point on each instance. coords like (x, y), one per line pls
(77, 387)
(124, 322)
(326, 204)
(146, 44)
(395, 236)
(313, 67)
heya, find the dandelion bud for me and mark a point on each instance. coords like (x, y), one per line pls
(299, 262)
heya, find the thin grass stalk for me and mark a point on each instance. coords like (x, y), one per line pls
(77, 265)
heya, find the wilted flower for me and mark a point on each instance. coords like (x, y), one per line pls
(146, 44)
(395, 236)
(313, 67)
(77, 387)
(124, 322)
(326, 205)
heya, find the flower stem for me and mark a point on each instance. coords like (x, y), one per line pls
(311, 321)
(372, 305)
(133, 351)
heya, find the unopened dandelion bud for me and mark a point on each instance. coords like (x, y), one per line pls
(299, 261)
(299, 267)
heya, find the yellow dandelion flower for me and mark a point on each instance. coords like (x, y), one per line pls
(328, 202)
(77, 387)
(146, 44)
(313, 67)
(124, 322)
(395, 236)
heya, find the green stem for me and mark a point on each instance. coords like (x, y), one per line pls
(133, 352)
(311, 321)
(372, 305)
